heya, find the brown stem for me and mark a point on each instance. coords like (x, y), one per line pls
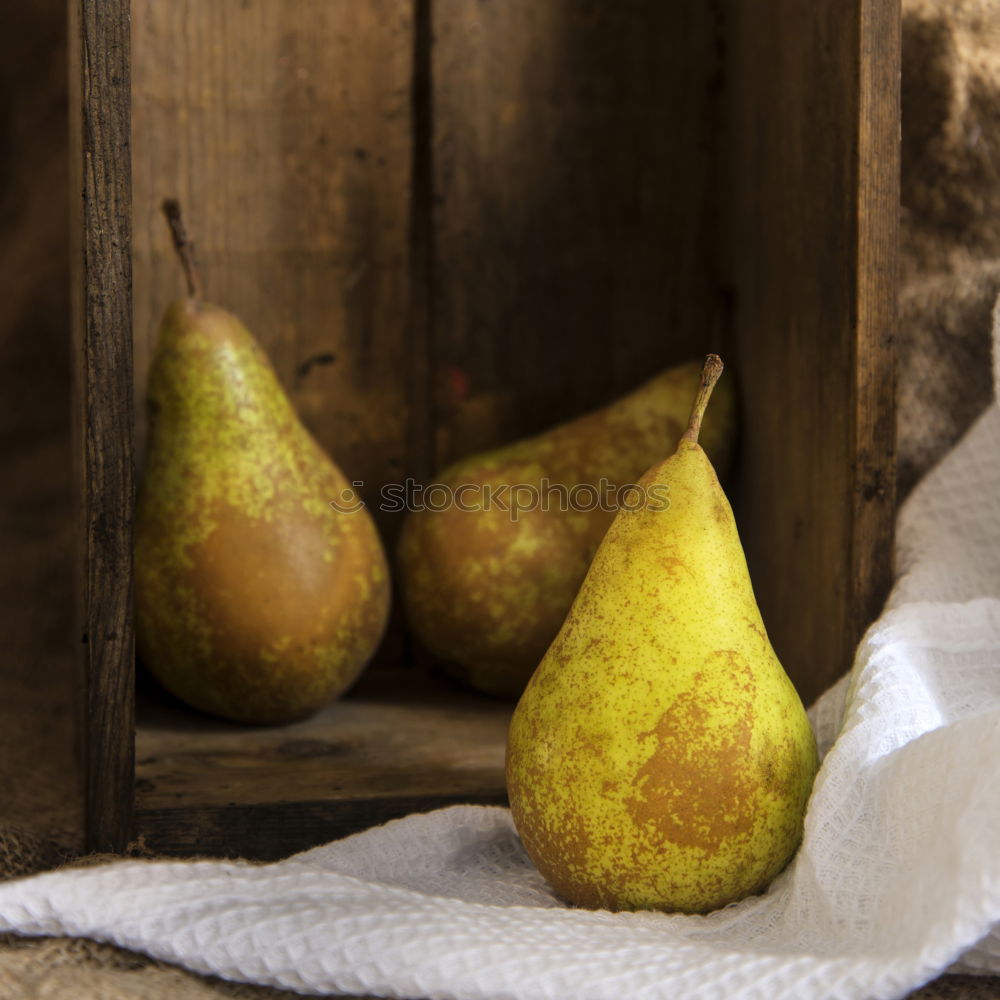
(709, 376)
(184, 247)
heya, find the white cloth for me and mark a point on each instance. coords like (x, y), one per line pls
(898, 877)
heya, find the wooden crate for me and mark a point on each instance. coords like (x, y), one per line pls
(452, 223)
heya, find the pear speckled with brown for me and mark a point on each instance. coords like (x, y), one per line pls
(660, 757)
(255, 600)
(486, 591)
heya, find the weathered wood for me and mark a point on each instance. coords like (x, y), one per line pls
(285, 130)
(876, 216)
(399, 743)
(102, 344)
(574, 207)
(267, 832)
(419, 379)
(814, 200)
(398, 734)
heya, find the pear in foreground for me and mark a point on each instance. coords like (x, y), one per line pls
(487, 587)
(255, 600)
(660, 757)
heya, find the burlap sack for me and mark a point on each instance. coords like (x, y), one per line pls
(950, 223)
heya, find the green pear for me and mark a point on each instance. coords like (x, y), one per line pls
(255, 599)
(660, 757)
(487, 579)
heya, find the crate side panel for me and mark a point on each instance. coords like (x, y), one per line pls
(102, 360)
(814, 132)
(274, 831)
(878, 164)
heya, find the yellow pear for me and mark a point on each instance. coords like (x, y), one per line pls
(255, 599)
(488, 577)
(660, 757)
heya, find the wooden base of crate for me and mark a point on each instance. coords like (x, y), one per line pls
(402, 741)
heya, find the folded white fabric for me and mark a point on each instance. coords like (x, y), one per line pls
(898, 877)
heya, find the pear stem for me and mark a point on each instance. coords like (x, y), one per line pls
(709, 376)
(184, 247)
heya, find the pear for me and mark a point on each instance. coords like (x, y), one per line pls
(487, 579)
(660, 757)
(255, 599)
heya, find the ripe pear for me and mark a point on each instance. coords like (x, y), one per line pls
(660, 757)
(255, 599)
(487, 580)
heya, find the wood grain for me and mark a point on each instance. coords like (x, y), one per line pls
(397, 744)
(397, 735)
(269, 832)
(574, 207)
(285, 130)
(876, 217)
(814, 158)
(100, 163)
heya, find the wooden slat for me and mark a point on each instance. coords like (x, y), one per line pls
(574, 207)
(285, 130)
(877, 219)
(812, 170)
(401, 742)
(268, 832)
(397, 736)
(420, 388)
(102, 344)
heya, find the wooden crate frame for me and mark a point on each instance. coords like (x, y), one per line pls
(801, 293)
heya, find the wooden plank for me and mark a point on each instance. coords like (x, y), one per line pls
(400, 743)
(399, 735)
(285, 130)
(421, 409)
(814, 129)
(102, 348)
(267, 832)
(575, 207)
(876, 216)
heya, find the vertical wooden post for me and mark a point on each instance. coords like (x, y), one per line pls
(813, 175)
(876, 216)
(100, 174)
